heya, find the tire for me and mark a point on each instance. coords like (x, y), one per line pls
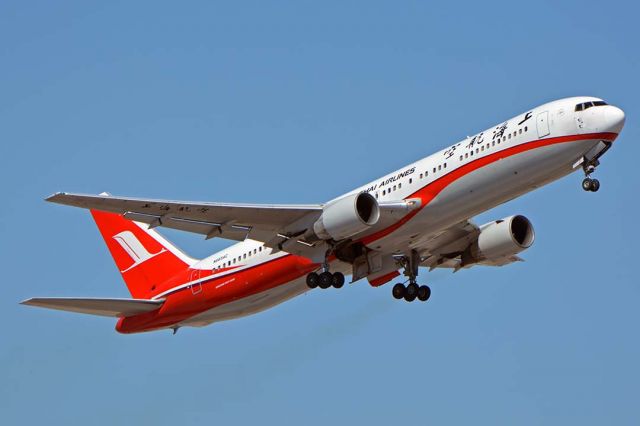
(595, 185)
(587, 184)
(412, 290)
(398, 291)
(409, 298)
(325, 280)
(424, 293)
(337, 279)
(312, 280)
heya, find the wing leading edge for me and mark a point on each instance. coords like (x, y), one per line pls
(261, 222)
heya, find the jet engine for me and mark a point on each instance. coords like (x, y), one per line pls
(499, 241)
(347, 216)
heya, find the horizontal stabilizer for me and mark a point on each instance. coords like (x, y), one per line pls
(96, 306)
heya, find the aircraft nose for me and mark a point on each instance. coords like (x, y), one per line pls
(614, 118)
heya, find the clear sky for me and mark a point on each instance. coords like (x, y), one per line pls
(298, 102)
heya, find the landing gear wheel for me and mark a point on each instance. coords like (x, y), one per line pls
(587, 184)
(312, 280)
(424, 292)
(595, 185)
(325, 280)
(337, 279)
(411, 292)
(409, 298)
(398, 291)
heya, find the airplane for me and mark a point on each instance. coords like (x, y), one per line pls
(418, 216)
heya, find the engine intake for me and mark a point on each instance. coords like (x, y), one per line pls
(347, 216)
(501, 239)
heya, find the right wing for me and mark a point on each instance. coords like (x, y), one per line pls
(96, 306)
(445, 249)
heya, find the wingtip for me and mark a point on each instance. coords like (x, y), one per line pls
(52, 198)
(26, 301)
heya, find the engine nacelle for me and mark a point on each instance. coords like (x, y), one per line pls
(501, 239)
(347, 216)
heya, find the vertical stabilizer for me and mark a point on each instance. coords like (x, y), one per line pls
(143, 257)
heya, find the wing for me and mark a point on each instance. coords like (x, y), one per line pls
(268, 223)
(96, 306)
(444, 249)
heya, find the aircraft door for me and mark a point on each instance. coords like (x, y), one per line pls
(195, 287)
(542, 123)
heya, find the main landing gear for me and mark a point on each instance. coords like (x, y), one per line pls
(588, 184)
(325, 279)
(412, 291)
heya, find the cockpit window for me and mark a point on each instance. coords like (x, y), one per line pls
(586, 105)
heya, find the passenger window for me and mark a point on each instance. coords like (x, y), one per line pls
(461, 158)
(526, 128)
(520, 131)
(472, 153)
(245, 256)
(410, 180)
(400, 185)
(466, 155)
(493, 143)
(509, 135)
(384, 191)
(445, 165)
(420, 175)
(439, 166)
(426, 174)
(434, 170)
(477, 150)
(394, 187)
(482, 148)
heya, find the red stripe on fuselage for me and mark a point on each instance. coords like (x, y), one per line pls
(432, 189)
(219, 290)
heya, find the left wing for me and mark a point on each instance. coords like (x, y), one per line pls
(268, 223)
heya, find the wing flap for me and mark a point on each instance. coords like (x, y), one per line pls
(96, 306)
(226, 220)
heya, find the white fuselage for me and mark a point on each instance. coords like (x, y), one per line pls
(458, 182)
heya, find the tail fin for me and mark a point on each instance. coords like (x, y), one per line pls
(144, 258)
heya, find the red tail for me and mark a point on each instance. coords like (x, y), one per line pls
(144, 258)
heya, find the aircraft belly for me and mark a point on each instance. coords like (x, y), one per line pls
(249, 305)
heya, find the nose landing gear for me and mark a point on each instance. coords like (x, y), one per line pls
(590, 185)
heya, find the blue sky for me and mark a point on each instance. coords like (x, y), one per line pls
(299, 102)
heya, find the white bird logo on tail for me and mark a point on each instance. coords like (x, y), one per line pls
(134, 248)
